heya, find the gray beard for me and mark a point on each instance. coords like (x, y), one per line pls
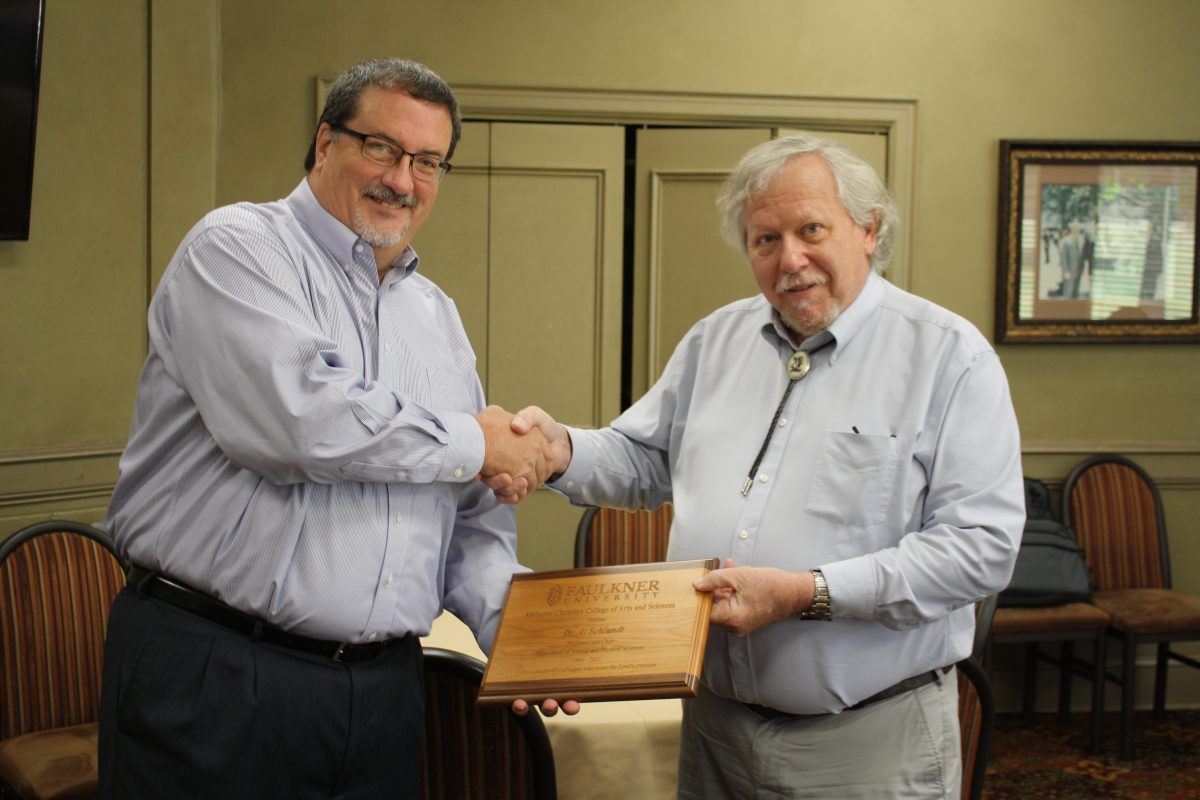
(807, 326)
(377, 237)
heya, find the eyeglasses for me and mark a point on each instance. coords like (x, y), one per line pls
(424, 167)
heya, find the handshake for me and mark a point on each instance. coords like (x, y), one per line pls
(521, 451)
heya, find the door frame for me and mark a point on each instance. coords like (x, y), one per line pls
(896, 119)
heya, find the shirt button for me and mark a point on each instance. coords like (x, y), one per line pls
(358, 248)
(741, 655)
(783, 423)
(458, 472)
(570, 484)
(390, 579)
(399, 519)
(402, 475)
(371, 638)
(387, 347)
(744, 535)
(764, 478)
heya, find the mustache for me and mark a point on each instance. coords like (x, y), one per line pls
(801, 280)
(386, 195)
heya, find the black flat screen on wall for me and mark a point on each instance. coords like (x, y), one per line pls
(20, 68)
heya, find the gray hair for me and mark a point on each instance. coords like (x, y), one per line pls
(396, 74)
(860, 189)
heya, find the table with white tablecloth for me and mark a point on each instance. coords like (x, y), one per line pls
(618, 749)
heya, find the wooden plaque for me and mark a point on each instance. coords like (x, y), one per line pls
(602, 633)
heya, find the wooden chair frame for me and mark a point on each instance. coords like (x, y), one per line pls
(1127, 679)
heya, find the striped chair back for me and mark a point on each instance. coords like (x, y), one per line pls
(484, 752)
(1116, 512)
(613, 537)
(57, 583)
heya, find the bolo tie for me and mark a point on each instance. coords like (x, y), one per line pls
(797, 367)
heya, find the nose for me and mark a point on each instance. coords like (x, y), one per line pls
(793, 254)
(399, 178)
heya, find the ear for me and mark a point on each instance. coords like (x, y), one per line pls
(870, 236)
(324, 140)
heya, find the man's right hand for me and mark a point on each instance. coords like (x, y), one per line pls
(519, 460)
(533, 421)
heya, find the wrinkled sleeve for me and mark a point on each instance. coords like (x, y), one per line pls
(236, 328)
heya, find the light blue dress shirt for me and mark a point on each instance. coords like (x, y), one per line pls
(303, 442)
(895, 467)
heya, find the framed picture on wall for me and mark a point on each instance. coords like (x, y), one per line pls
(1097, 242)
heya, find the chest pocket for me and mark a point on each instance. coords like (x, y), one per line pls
(854, 478)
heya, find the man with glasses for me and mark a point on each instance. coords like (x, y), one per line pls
(297, 497)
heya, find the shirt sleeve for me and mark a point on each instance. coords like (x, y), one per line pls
(480, 562)
(236, 327)
(628, 465)
(974, 511)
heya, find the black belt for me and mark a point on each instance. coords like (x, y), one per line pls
(906, 685)
(200, 604)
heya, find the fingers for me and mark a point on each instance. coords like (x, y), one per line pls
(747, 598)
(508, 490)
(549, 707)
(529, 418)
(522, 451)
(718, 578)
(526, 457)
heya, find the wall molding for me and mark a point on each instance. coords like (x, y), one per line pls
(1125, 448)
(60, 454)
(39, 479)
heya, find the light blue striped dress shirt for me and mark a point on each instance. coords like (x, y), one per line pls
(895, 467)
(303, 442)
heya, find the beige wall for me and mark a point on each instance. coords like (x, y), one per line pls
(152, 110)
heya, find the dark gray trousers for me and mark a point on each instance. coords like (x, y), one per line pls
(193, 709)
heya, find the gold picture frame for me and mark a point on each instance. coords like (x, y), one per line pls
(1097, 242)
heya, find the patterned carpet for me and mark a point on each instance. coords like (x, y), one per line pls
(1047, 762)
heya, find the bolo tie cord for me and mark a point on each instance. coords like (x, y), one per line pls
(797, 367)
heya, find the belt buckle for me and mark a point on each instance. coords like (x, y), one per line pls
(341, 648)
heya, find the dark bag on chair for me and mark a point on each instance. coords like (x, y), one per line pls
(1050, 570)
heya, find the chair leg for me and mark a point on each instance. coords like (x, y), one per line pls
(1066, 668)
(1098, 687)
(1031, 670)
(1160, 681)
(1128, 687)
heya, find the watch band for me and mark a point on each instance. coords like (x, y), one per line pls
(821, 609)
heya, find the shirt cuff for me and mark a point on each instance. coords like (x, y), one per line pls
(464, 451)
(583, 461)
(852, 587)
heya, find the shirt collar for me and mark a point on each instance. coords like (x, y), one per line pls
(847, 325)
(335, 237)
(854, 318)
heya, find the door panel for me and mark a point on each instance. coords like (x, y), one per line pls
(555, 319)
(453, 242)
(526, 238)
(682, 267)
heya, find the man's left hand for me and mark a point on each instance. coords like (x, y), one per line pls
(549, 707)
(747, 598)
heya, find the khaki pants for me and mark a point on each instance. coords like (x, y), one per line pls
(903, 747)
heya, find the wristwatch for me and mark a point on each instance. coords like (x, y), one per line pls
(820, 608)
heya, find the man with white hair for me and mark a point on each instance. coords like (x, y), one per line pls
(851, 452)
